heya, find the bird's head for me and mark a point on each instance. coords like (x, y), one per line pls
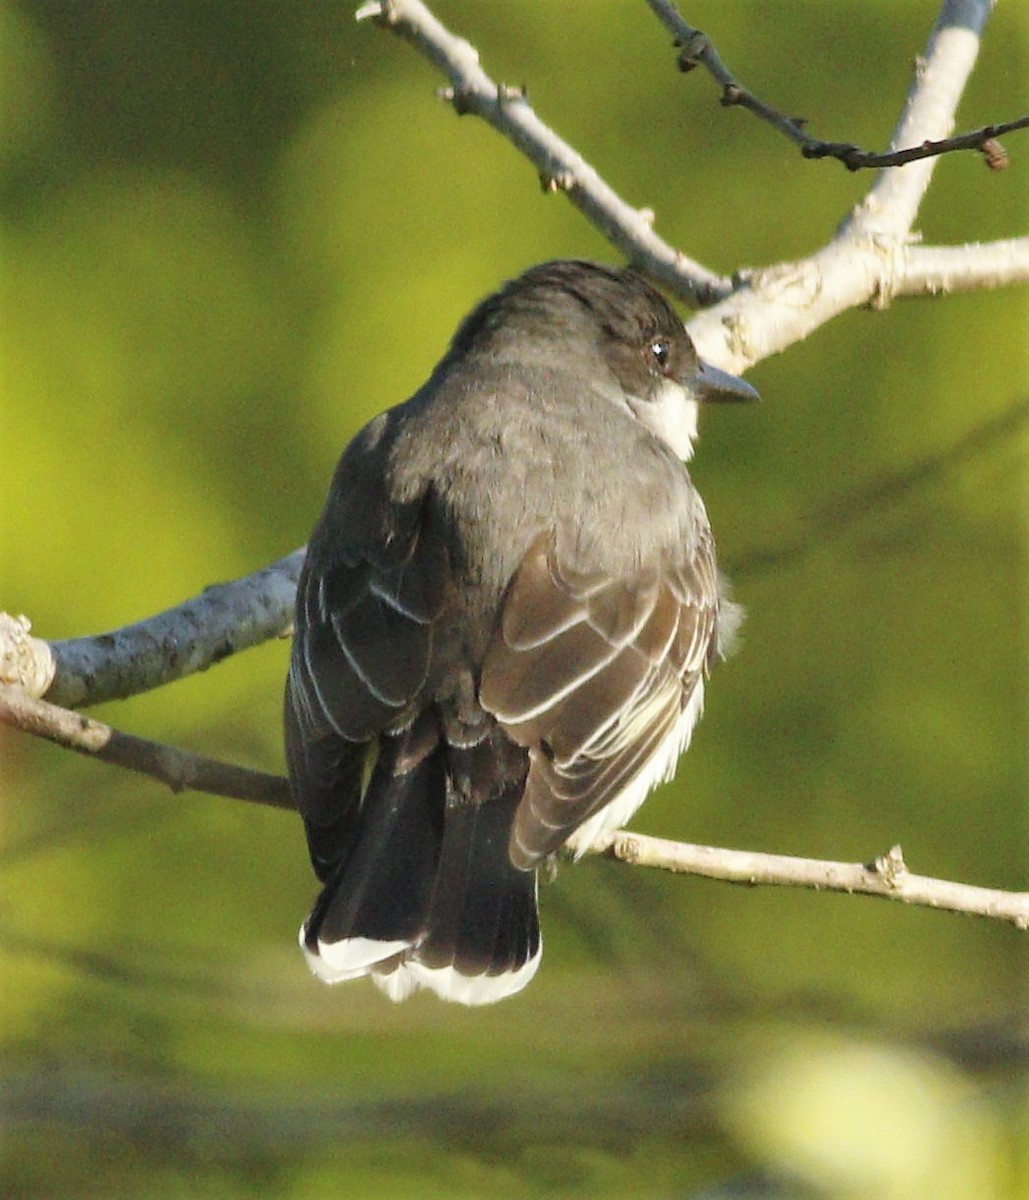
(610, 326)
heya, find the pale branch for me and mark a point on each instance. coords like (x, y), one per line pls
(758, 312)
(696, 49)
(25, 660)
(941, 75)
(194, 635)
(223, 619)
(886, 877)
(561, 167)
(866, 261)
(781, 305)
(181, 770)
(935, 270)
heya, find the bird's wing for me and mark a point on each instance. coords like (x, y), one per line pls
(595, 676)
(366, 602)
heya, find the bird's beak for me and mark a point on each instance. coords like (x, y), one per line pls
(712, 386)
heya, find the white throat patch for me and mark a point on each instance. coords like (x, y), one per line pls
(671, 415)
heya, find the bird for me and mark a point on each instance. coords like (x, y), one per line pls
(504, 622)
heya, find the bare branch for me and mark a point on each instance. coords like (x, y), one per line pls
(938, 270)
(759, 312)
(561, 167)
(190, 637)
(886, 877)
(179, 769)
(784, 304)
(866, 262)
(696, 49)
(941, 74)
(25, 660)
(983, 140)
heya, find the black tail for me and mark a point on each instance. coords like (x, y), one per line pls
(426, 895)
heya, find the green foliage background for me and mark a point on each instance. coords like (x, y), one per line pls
(230, 234)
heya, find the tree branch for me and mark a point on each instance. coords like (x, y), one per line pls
(696, 49)
(759, 312)
(982, 140)
(941, 74)
(180, 770)
(561, 167)
(933, 270)
(192, 636)
(784, 304)
(887, 877)
(866, 262)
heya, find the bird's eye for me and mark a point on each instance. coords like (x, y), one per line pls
(661, 350)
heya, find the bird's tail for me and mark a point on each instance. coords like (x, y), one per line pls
(426, 895)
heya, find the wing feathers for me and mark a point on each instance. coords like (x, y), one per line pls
(384, 647)
(593, 676)
(518, 686)
(365, 635)
(535, 612)
(542, 821)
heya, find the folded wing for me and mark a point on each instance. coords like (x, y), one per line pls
(601, 682)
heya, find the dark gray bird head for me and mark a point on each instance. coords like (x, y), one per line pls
(617, 331)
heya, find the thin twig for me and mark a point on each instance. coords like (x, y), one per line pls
(180, 770)
(561, 167)
(865, 263)
(942, 71)
(856, 159)
(886, 877)
(761, 311)
(696, 49)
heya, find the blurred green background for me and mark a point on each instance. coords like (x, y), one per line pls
(230, 233)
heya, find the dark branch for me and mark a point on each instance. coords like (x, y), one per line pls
(983, 140)
(696, 49)
(179, 769)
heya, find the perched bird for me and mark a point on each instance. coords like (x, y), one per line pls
(503, 626)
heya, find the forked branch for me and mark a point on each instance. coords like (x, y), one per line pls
(762, 311)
